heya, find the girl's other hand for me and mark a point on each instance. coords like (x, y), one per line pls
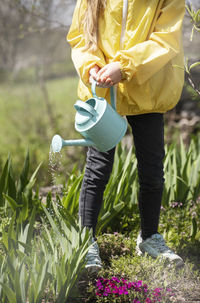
(109, 75)
(94, 75)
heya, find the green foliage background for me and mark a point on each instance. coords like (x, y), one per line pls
(25, 124)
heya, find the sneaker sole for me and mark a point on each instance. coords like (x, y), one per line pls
(177, 263)
(139, 252)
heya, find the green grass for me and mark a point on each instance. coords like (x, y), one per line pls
(29, 74)
(25, 122)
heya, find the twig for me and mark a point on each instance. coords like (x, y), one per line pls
(192, 83)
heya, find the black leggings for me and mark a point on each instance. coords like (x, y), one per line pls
(148, 134)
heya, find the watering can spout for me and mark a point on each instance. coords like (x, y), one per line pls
(57, 143)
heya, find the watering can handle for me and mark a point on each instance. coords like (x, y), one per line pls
(80, 105)
(94, 83)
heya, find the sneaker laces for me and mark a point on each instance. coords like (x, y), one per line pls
(158, 243)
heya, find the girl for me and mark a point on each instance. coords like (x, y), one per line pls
(135, 46)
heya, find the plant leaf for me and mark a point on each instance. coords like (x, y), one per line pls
(3, 181)
(14, 205)
(9, 293)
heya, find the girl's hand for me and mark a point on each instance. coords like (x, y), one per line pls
(109, 75)
(94, 73)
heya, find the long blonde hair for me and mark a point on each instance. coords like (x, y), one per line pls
(90, 23)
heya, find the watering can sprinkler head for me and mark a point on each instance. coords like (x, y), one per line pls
(57, 143)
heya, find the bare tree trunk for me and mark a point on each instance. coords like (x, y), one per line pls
(49, 110)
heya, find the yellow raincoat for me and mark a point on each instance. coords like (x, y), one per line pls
(145, 36)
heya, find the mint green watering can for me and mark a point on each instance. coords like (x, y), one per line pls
(97, 121)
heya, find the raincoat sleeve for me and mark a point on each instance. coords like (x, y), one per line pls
(83, 60)
(143, 60)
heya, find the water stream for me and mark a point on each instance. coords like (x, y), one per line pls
(55, 161)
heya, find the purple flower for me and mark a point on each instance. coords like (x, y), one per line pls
(139, 283)
(168, 289)
(115, 279)
(107, 289)
(116, 287)
(174, 204)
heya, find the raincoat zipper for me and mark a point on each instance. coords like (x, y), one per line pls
(124, 17)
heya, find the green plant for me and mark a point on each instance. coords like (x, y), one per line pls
(182, 181)
(70, 200)
(17, 195)
(68, 247)
(45, 266)
(16, 243)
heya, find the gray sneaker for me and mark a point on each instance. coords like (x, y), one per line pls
(93, 259)
(155, 247)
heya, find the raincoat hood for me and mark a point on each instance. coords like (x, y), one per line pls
(145, 36)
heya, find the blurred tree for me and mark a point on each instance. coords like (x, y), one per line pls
(19, 18)
(12, 23)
